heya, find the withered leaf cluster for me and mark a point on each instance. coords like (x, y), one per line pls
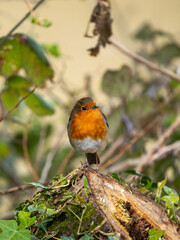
(101, 17)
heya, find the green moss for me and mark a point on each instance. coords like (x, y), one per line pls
(62, 210)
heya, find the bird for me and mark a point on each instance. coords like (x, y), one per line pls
(88, 129)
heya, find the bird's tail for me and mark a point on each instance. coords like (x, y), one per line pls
(92, 158)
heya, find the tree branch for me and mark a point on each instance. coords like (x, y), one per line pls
(128, 145)
(158, 144)
(15, 189)
(144, 61)
(20, 22)
(130, 163)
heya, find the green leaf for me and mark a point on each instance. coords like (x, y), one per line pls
(35, 62)
(52, 49)
(10, 97)
(25, 220)
(134, 172)
(10, 231)
(42, 22)
(162, 183)
(155, 234)
(174, 197)
(37, 104)
(167, 53)
(168, 190)
(68, 238)
(51, 212)
(115, 176)
(10, 57)
(18, 82)
(146, 32)
(21, 51)
(113, 237)
(168, 202)
(37, 185)
(117, 82)
(42, 226)
(33, 237)
(4, 150)
(86, 237)
(31, 208)
(159, 189)
(86, 189)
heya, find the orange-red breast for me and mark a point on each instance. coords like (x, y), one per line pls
(88, 129)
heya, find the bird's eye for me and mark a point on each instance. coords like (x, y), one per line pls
(83, 108)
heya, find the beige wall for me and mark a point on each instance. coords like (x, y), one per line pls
(70, 18)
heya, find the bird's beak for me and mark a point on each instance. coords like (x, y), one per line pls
(94, 107)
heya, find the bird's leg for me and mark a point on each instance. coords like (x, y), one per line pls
(97, 164)
(86, 163)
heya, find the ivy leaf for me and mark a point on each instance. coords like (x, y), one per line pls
(159, 189)
(115, 176)
(25, 220)
(37, 185)
(18, 82)
(31, 208)
(36, 103)
(146, 32)
(42, 22)
(155, 234)
(10, 231)
(167, 53)
(86, 237)
(10, 97)
(68, 238)
(42, 226)
(117, 82)
(35, 62)
(51, 212)
(134, 172)
(168, 190)
(21, 51)
(4, 150)
(10, 57)
(86, 189)
(112, 237)
(52, 49)
(168, 202)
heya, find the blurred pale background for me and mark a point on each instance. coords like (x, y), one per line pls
(69, 20)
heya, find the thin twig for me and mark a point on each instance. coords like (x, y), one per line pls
(66, 160)
(50, 156)
(30, 8)
(27, 157)
(158, 144)
(144, 61)
(20, 22)
(40, 146)
(162, 153)
(17, 104)
(128, 145)
(16, 189)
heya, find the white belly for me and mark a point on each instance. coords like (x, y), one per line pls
(89, 145)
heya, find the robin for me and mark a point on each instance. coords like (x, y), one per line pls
(88, 129)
